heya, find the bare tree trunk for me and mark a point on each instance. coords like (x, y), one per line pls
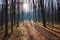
(34, 12)
(48, 12)
(2, 17)
(12, 16)
(58, 11)
(18, 14)
(52, 14)
(6, 18)
(42, 12)
(39, 10)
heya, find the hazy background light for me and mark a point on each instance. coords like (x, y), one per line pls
(0, 1)
(26, 7)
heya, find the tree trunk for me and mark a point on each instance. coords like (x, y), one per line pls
(42, 12)
(12, 16)
(18, 14)
(2, 17)
(52, 14)
(6, 18)
(39, 10)
(34, 12)
(58, 11)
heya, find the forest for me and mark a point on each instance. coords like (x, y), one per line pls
(45, 12)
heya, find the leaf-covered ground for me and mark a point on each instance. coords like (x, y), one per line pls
(32, 31)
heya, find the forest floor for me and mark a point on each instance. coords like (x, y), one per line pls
(31, 31)
(56, 27)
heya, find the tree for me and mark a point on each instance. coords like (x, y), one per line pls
(2, 17)
(42, 12)
(48, 12)
(58, 11)
(39, 10)
(34, 12)
(12, 15)
(6, 18)
(52, 13)
(18, 14)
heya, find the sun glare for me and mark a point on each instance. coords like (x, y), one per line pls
(25, 7)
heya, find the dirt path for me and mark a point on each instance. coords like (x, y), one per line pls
(40, 33)
(36, 35)
(30, 31)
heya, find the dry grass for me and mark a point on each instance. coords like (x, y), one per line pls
(56, 26)
(23, 32)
